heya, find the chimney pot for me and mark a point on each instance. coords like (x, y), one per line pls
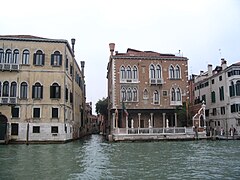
(112, 47)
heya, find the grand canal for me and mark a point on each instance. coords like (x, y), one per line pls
(94, 158)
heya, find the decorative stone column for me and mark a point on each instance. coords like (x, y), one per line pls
(164, 119)
(113, 120)
(175, 115)
(151, 114)
(139, 118)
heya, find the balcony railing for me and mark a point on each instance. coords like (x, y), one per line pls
(156, 131)
(8, 100)
(9, 67)
(155, 81)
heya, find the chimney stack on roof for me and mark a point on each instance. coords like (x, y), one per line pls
(209, 70)
(223, 63)
(112, 47)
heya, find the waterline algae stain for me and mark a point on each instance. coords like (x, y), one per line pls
(94, 158)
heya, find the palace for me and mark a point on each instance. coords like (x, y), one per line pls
(42, 90)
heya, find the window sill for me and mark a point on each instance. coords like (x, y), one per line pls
(56, 65)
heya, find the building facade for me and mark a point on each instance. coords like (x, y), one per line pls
(219, 89)
(42, 90)
(145, 89)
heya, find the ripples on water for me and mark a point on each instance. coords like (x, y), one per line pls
(94, 158)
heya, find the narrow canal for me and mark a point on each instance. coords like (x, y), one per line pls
(94, 158)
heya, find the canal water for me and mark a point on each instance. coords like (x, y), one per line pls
(95, 158)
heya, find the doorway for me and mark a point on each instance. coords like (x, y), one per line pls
(3, 127)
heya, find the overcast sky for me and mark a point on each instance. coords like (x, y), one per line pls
(199, 28)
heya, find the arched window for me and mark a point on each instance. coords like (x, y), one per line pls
(135, 73)
(15, 56)
(37, 91)
(159, 72)
(25, 57)
(129, 94)
(5, 92)
(123, 94)
(145, 94)
(8, 56)
(1, 56)
(177, 72)
(56, 59)
(38, 58)
(156, 97)
(13, 89)
(171, 72)
(178, 92)
(123, 74)
(23, 90)
(173, 98)
(238, 88)
(135, 94)
(55, 91)
(152, 71)
(0, 88)
(129, 73)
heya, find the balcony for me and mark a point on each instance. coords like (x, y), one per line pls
(8, 100)
(128, 80)
(175, 103)
(9, 67)
(156, 81)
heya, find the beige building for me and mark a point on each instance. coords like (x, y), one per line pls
(145, 89)
(42, 90)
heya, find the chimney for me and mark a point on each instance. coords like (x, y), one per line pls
(201, 72)
(73, 43)
(82, 66)
(111, 46)
(223, 63)
(209, 70)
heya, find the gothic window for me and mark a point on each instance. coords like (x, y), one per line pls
(38, 58)
(152, 71)
(23, 90)
(123, 94)
(232, 89)
(37, 91)
(56, 59)
(5, 92)
(178, 92)
(135, 72)
(156, 97)
(159, 72)
(1, 56)
(135, 96)
(171, 72)
(8, 56)
(123, 74)
(177, 72)
(13, 89)
(173, 98)
(129, 73)
(15, 56)
(25, 57)
(129, 94)
(55, 91)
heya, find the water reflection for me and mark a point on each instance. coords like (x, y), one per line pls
(94, 158)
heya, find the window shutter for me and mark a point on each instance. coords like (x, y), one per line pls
(51, 92)
(41, 92)
(34, 58)
(59, 92)
(52, 59)
(60, 59)
(43, 59)
(33, 91)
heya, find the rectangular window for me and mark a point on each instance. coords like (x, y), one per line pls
(54, 129)
(204, 98)
(54, 112)
(14, 129)
(214, 112)
(71, 70)
(220, 78)
(66, 64)
(212, 81)
(221, 93)
(15, 112)
(71, 97)
(66, 94)
(36, 129)
(36, 112)
(213, 97)
(222, 110)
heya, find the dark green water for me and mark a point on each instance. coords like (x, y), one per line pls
(94, 158)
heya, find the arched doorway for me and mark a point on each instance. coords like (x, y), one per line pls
(3, 127)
